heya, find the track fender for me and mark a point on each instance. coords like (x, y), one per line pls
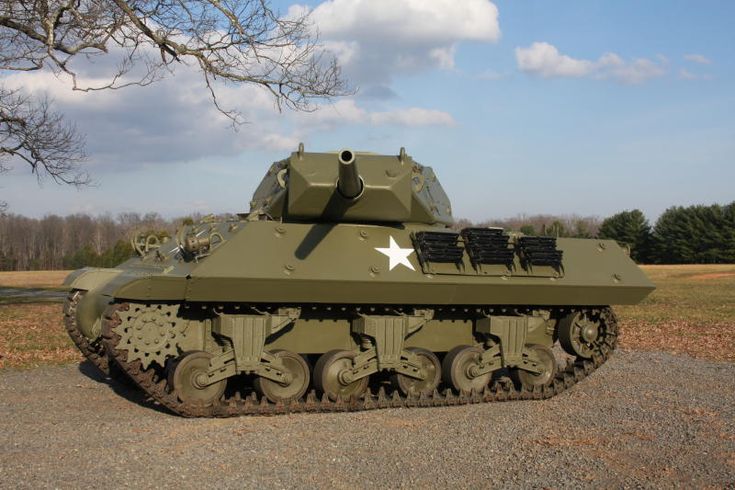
(90, 278)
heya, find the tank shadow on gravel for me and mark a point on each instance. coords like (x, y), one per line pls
(126, 390)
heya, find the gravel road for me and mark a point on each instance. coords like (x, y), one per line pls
(642, 420)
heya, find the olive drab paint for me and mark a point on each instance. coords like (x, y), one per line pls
(348, 258)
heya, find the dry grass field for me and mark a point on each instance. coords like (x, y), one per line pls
(692, 312)
(33, 279)
(32, 335)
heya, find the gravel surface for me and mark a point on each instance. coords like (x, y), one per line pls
(642, 420)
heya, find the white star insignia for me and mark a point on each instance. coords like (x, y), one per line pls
(397, 255)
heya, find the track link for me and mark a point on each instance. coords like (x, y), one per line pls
(93, 351)
(502, 390)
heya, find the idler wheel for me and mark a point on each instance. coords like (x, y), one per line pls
(580, 336)
(545, 377)
(457, 369)
(187, 382)
(329, 375)
(299, 373)
(431, 369)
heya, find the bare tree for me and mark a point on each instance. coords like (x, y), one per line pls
(39, 137)
(228, 41)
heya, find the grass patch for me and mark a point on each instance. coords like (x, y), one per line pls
(32, 286)
(33, 279)
(692, 311)
(33, 335)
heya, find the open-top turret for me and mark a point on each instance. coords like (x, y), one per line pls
(349, 186)
(345, 288)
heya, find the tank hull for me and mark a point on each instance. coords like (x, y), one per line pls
(348, 292)
(268, 262)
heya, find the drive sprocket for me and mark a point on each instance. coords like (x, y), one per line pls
(151, 333)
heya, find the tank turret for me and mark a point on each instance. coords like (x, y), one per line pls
(330, 187)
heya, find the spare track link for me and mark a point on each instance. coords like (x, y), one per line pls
(93, 351)
(503, 390)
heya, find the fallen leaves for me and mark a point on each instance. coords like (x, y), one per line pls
(706, 341)
(33, 335)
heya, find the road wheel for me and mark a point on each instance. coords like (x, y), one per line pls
(327, 377)
(297, 368)
(548, 365)
(187, 382)
(456, 369)
(431, 369)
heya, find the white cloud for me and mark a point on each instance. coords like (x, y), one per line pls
(407, 20)
(376, 39)
(637, 71)
(544, 60)
(346, 111)
(685, 74)
(174, 120)
(444, 57)
(345, 51)
(698, 58)
(412, 116)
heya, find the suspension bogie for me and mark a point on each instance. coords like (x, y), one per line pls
(206, 352)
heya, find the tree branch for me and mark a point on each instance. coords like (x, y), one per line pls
(31, 133)
(239, 41)
(230, 41)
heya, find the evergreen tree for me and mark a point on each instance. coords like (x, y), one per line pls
(696, 234)
(629, 228)
(528, 230)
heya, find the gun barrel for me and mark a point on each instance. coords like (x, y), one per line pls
(349, 183)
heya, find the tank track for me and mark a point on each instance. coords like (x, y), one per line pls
(93, 351)
(501, 390)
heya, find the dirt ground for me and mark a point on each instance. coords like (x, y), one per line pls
(643, 420)
(660, 413)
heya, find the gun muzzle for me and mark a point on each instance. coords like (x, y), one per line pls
(349, 183)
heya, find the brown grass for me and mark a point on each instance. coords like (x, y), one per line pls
(33, 279)
(692, 311)
(32, 335)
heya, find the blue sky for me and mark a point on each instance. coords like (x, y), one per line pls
(573, 107)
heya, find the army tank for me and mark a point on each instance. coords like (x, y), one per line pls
(345, 287)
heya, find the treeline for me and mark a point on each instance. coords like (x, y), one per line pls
(681, 235)
(543, 225)
(74, 241)
(694, 234)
